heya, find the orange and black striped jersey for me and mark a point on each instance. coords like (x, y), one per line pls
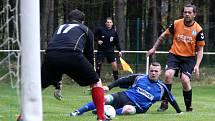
(185, 38)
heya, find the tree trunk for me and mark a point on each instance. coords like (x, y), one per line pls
(169, 12)
(154, 21)
(50, 27)
(45, 6)
(134, 16)
(66, 10)
(120, 20)
(206, 27)
(146, 25)
(56, 14)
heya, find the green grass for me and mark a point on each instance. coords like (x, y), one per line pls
(75, 96)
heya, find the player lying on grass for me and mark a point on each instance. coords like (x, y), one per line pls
(143, 91)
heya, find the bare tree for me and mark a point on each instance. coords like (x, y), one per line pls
(44, 16)
(47, 20)
(121, 20)
(56, 12)
(154, 32)
(134, 17)
(50, 27)
(206, 24)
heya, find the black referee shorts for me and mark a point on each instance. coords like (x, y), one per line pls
(74, 64)
(110, 56)
(181, 64)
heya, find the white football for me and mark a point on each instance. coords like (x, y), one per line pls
(110, 112)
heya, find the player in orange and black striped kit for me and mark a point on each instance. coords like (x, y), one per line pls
(185, 55)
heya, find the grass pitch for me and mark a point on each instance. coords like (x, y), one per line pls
(75, 96)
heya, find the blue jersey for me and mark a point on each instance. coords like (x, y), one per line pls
(145, 92)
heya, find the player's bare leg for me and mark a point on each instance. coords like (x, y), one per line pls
(128, 110)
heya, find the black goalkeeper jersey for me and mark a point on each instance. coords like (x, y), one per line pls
(73, 37)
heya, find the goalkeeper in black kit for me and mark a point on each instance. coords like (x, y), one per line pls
(70, 51)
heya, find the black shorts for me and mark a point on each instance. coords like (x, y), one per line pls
(73, 64)
(180, 64)
(110, 56)
(120, 99)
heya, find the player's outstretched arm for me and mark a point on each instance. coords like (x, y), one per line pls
(160, 39)
(175, 106)
(124, 82)
(173, 102)
(171, 98)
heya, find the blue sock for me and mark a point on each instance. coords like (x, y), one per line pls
(87, 107)
(119, 111)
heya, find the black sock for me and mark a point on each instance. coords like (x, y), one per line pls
(187, 98)
(115, 75)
